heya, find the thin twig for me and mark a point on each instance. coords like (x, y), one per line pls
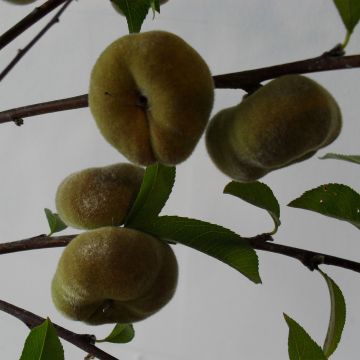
(85, 342)
(260, 242)
(246, 80)
(37, 242)
(29, 20)
(23, 51)
(17, 114)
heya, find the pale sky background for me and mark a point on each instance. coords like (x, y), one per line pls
(216, 312)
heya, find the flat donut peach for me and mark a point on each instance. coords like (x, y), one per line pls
(151, 95)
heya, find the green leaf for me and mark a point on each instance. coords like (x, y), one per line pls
(55, 223)
(155, 5)
(300, 345)
(214, 240)
(135, 12)
(43, 344)
(155, 189)
(337, 316)
(349, 11)
(122, 333)
(334, 200)
(351, 158)
(258, 194)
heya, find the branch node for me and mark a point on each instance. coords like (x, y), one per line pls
(313, 262)
(251, 89)
(28, 324)
(39, 236)
(89, 357)
(91, 339)
(336, 51)
(19, 121)
(260, 239)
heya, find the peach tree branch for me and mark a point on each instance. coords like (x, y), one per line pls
(84, 342)
(246, 80)
(36, 242)
(310, 259)
(43, 31)
(16, 115)
(29, 20)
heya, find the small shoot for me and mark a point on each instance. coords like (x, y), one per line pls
(54, 221)
(349, 11)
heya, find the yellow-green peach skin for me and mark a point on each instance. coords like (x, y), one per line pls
(151, 95)
(97, 197)
(284, 122)
(114, 275)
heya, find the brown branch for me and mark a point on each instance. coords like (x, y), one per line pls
(249, 79)
(23, 51)
(37, 242)
(261, 242)
(246, 80)
(18, 114)
(310, 259)
(29, 20)
(84, 342)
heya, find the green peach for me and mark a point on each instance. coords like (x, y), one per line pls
(98, 197)
(284, 122)
(114, 275)
(151, 95)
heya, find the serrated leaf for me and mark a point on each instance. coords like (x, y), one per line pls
(155, 189)
(337, 316)
(214, 240)
(351, 158)
(349, 11)
(135, 12)
(54, 221)
(300, 345)
(122, 333)
(334, 200)
(43, 344)
(258, 194)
